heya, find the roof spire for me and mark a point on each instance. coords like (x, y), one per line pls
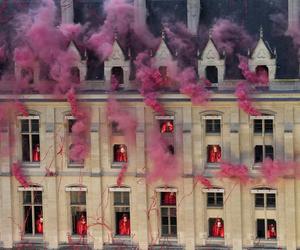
(210, 33)
(261, 32)
(115, 34)
(163, 33)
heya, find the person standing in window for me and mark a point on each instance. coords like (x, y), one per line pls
(122, 154)
(36, 153)
(169, 198)
(214, 154)
(218, 228)
(39, 224)
(124, 225)
(271, 231)
(82, 226)
(167, 127)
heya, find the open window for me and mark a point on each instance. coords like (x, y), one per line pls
(262, 72)
(216, 227)
(266, 229)
(211, 73)
(120, 153)
(75, 74)
(118, 74)
(32, 210)
(166, 126)
(78, 211)
(121, 205)
(214, 153)
(30, 137)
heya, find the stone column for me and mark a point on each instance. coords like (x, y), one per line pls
(294, 13)
(67, 11)
(193, 14)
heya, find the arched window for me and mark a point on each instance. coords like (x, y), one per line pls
(262, 72)
(118, 73)
(211, 74)
(75, 74)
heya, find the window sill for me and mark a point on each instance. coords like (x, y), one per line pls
(38, 238)
(168, 240)
(75, 165)
(265, 242)
(212, 133)
(215, 241)
(214, 207)
(31, 164)
(212, 165)
(118, 164)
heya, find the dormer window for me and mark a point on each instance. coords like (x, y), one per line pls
(75, 74)
(27, 75)
(118, 73)
(211, 73)
(262, 72)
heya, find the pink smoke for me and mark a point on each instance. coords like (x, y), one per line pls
(121, 175)
(119, 19)
(242, 93)
(273, 170)
(190, 87)
(126, 122)
(165, 166)
(80, 129)
(239, 172)
(230, 37)
(18, 173)
(204, 181)
(70, 31)
(24, 57)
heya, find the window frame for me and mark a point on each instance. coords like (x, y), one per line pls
(263, 118)
(32, 204)
(30, 134)
(81, 206)
(265, 192)
(264, 153)
(168, 208)
(266, 224)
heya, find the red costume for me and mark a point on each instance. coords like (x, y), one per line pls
(36, 153)
(167, 127)
(121, 154)
(124, 225)
(218, 228)
(169, 198)
(81, 226)
(39, 224)
(214, 154)
(271, 231)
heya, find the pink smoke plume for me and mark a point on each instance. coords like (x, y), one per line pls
(125, 121)
(165, 166)
(17, 172)
(121, 175)
(150, 79)
(239, 172)
(70, 31)
(230, 37)
(252, 77)
(80, 129)
(242, 93)
(119, 19)
(204, 181)
(190, 87)
(24, 57)
(272, 170)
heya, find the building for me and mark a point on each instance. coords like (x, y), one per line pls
(64, 195)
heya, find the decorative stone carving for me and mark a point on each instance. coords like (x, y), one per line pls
(163, 55)
(262, 55)
(211, 57)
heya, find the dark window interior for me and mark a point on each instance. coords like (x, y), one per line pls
(211, 73)
(118, 73)
(213, 126)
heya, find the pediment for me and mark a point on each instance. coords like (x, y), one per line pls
(261, 51)
(163, 52)
(210, 52)
(117, 53)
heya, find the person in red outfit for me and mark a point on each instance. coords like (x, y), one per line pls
(214, 154)
(218, 228)
(167, 127)
(39, 224)
(169, 198)
(271, 231)
(122, 154)
(36, 153)
(82, 226)
(124, 225)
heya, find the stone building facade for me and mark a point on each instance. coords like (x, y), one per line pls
(182, 215)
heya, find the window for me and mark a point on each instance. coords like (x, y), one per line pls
(30, 139)
(262, 72)
(213, 126)
(262, 152)
(168, 214)
(117, 72)
(266, 229)
(213, 153)
(78, 212)
(264, 197)
(27, 75)
(163, 70)
(122, 213)
(33, 212)
(212, 74)
(263, 126)
(214, 199)
(120, 153)
(166, 126)
(115, 128)
(75, 74)
(216, 227)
